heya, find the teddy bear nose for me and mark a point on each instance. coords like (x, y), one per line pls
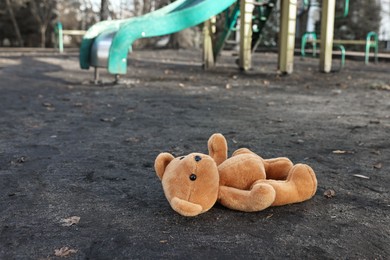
(198, 158)
(193, 177)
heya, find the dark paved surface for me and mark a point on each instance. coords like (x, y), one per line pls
(68, 148)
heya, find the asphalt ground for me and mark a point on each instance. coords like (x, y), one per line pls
(76, 159)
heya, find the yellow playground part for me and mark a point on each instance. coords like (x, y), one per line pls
(286, 35)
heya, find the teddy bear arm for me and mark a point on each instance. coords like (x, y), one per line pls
(185, 208)
(261, 196)
(301, 185)
(277, 168)
(217, 147)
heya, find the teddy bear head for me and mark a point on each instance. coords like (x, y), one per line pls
(190, 182)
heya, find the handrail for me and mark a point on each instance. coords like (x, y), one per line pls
(346, 10)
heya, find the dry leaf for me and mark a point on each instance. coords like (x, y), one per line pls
(329, 193)
(361, 176)
(380, 86)
(339, 151)
(132, 140)
(47, 104)
(108, 119)
(64, 251)
(269, 216)
(377, 166)
(67, 222)
(163, 241)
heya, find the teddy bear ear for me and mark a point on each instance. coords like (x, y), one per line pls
(161, 162)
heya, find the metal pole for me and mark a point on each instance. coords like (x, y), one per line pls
(60, 37)
(96, 76)
(246, 12)
(208, 32)
(327, 24)
(287, 35)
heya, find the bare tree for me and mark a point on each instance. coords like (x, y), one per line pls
(104, 10)
(14, 22)
(42, 11)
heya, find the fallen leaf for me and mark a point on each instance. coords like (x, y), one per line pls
(64, 251)
(361, 176)
(269, 216)
(108, 119)
(380, 86)
(67, 222)
(377, 166)
(163, 241)
(20, 160)
(132, 140)
(329, 193)
(341, 152)
(375, 121)
(47, 104)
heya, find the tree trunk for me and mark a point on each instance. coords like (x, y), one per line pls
(43, 36)
(104, 11)
(14, 22)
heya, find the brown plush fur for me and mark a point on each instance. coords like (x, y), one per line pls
(246, 182)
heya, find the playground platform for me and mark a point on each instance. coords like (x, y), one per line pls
(76, 159)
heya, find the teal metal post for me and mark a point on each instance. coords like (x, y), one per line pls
(60, 37)
(371, 41)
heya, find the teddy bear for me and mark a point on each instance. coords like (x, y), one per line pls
(246, 182)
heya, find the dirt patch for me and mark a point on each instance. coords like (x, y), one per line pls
(70, 149)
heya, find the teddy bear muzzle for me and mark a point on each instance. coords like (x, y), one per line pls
(185, 208)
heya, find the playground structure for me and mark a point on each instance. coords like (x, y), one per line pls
(60, 35)
(310, 36)
(107, 43)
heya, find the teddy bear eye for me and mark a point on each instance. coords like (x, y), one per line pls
(193, 177)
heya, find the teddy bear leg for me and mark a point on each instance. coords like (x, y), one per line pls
(217, 146)
(277, 168)
(261, 196)
(301, 185)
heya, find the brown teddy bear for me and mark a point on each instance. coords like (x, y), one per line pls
(246, 182)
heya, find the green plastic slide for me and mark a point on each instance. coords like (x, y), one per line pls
(172, 18)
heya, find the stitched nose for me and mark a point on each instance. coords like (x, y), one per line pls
(198, 158)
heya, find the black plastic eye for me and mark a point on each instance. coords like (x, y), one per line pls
(193, 177)
(181, 158)
(198, 158)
